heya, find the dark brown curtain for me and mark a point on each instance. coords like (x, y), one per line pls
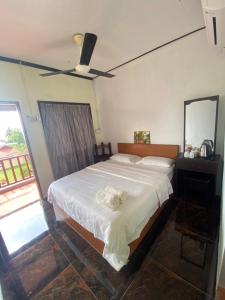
(69, 135)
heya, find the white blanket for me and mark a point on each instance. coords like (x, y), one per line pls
(146, 191)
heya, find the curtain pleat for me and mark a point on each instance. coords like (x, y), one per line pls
(69, 135)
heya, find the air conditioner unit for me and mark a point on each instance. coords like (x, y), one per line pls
(214, 15)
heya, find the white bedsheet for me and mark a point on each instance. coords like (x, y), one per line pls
(146, 190)
(164, 170)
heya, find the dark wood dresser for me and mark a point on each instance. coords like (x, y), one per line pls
(197, 179)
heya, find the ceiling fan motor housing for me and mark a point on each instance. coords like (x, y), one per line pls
(82, 68)
(87, 44)
(78, 39)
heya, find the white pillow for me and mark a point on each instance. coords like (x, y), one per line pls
(156, 161)
(126, 158)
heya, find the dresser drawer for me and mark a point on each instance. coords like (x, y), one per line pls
(196, 179)
(197, 165)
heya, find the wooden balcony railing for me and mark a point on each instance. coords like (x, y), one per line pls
(15, 169)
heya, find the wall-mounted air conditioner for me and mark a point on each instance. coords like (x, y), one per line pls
(214, 15)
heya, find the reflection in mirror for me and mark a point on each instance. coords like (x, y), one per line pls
(200, 122)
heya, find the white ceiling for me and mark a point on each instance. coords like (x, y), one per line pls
(40, 31)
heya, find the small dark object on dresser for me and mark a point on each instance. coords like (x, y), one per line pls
(102, 152)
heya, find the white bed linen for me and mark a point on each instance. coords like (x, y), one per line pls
(146, 190)
(169, 171)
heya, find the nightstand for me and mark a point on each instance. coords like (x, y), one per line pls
(196, 179)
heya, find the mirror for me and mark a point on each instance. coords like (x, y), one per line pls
(200, 121)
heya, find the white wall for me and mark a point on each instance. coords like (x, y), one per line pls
(149, 93)
(23, 84)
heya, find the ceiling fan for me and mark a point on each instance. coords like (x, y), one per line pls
(86, 43)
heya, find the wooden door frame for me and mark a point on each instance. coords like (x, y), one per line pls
(17, 104)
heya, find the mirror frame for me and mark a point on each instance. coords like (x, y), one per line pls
(211, 98)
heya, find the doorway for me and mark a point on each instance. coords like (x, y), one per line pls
(18, 185)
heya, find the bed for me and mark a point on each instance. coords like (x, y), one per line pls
(115, 234)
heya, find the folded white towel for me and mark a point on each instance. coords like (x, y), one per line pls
(108, 199)
(121, 194)
(111, 197)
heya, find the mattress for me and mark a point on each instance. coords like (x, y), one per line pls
(147, 190)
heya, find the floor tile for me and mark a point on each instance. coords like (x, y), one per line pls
(220, 293)
(197, 220)
(54, 262)
(188, 256)
(3, 199)
(68, 240)
(67, 285)
(184, 254)
(38, 265)
(103, 280)
(75, 250)
(154, 283)
(18, 198)
(11, 288)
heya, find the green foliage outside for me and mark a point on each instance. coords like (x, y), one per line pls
(10, 174)
(15, 139)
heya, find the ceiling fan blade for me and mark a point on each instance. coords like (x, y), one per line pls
(88, 47)
(57, 73)
(100, 73)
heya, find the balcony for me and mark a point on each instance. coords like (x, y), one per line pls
(17, 183)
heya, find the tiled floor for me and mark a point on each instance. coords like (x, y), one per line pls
(56, 263)
(220, 294)
(18, 198)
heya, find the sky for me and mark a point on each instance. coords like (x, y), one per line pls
(9, 119)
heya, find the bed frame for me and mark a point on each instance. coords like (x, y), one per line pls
(169, 151)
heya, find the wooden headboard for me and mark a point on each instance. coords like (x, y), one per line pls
(170, 151)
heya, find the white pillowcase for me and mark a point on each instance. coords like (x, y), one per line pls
(156, 161)
(126, 158)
